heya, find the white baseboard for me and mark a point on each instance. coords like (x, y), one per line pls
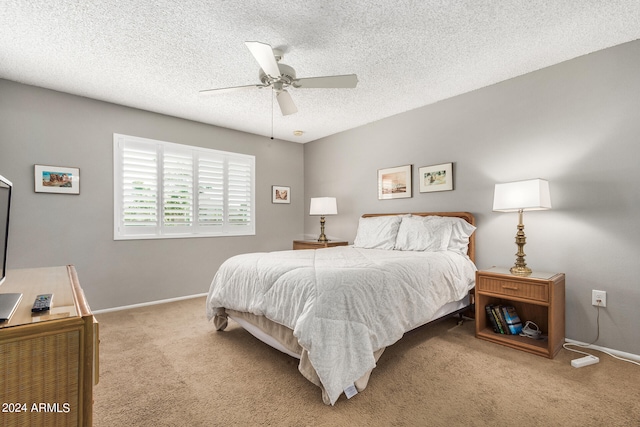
(146, 304)
(618, 353)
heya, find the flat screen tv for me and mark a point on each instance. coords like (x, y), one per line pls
(8, 301)
(5, 206)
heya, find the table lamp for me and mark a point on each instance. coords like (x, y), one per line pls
(323, 206)
(520, 196)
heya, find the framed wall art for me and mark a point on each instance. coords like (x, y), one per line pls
(436, 178)
(394, 183)
(280, 194)
(56, 179)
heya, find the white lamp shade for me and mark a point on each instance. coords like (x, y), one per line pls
(529, 195)
(323, 206)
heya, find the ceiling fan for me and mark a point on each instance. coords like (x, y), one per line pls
(279, 77)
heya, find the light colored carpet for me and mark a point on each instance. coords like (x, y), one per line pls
(166, 366)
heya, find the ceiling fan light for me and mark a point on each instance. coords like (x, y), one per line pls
(286, 104)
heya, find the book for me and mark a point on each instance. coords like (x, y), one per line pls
(503, 319)
(514, 324)
(503, 322)
(491, 319)
(495, 319)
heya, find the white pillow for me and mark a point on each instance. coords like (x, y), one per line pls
(460, 232)
(378, 232)
(428, 234)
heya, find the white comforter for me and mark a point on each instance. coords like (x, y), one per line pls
(342, 303)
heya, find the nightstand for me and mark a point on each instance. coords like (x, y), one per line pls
(538, 297)
(314, 244)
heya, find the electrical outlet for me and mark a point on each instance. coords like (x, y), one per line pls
(599, 298)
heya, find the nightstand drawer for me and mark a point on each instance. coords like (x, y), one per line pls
(531, 291)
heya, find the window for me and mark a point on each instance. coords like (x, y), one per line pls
(164, 190)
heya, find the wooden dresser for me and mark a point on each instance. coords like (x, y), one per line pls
(48, 362)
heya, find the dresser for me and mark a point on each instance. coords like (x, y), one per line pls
(48, 361)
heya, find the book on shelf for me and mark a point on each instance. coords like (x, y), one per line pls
(513, 320)
(504, 319)
(498, 323)
(492, 319)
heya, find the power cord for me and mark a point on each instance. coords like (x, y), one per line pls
(565, 345)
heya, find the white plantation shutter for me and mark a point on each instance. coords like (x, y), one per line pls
(166, 190)
(211, 192)
(139, 197)
(239, 190)
(177, 195)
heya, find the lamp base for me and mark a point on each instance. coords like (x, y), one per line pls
(520, 271)
(323, 237)
(520, 268)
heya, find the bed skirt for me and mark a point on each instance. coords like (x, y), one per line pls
(281, 338)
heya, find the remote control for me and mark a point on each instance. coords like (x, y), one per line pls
(42, 303)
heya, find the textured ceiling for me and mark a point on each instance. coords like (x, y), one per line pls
(158, 54)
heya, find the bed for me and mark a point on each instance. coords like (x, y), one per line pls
(337, 309)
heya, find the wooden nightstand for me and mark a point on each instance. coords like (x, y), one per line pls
(538, 297)
(314, 244)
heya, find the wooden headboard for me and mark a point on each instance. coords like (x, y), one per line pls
(467, 216)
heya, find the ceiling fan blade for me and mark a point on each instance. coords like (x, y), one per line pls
(265, 57)
(345, 81)
(229, 89)
(286, 103)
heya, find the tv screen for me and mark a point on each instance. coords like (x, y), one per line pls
(5, 205)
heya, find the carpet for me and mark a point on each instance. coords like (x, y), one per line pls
(165, 365)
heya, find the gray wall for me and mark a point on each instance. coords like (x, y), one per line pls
(39, 126)
(576, 124)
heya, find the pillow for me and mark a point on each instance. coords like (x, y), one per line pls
(377, 232)
(461, 230)
(427, 234)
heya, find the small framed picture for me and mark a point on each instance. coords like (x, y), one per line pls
(280, 194)
(394, 183)
(436, 178)
(56, 179)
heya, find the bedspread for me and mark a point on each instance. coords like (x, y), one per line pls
(342, 303)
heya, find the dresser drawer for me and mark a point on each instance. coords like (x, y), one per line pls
(531, 291)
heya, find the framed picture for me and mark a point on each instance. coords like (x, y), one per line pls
(56, 179)
(394, 183)
(280, 194)
(436, 178)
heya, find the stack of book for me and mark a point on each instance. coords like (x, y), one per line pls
(504, 319)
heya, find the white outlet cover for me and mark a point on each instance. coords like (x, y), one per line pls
(599, 295)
